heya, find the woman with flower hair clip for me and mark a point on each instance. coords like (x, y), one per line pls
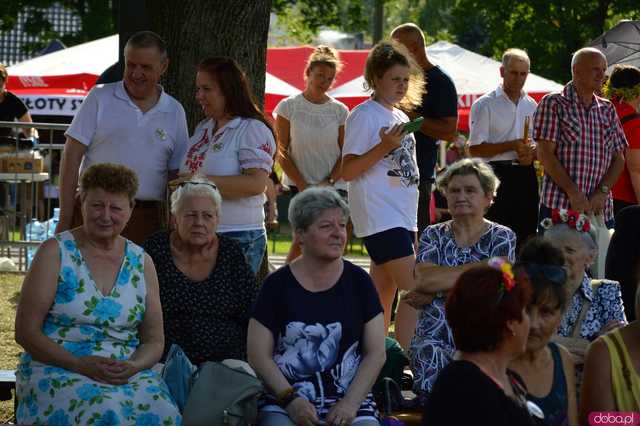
(595, 306)
(623, 88)
(486, 310)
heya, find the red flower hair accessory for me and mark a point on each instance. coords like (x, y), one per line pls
(508, 279)
(578, 221)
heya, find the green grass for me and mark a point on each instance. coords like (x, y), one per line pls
(9, 287)
(283, 243)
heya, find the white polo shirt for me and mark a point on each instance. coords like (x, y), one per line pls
(495, 118)
(115, 130)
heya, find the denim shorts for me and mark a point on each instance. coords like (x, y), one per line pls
(253, 244)
(394, 243)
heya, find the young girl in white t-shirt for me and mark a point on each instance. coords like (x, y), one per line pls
(379, 161)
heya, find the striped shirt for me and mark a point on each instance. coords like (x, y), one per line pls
(586, 139)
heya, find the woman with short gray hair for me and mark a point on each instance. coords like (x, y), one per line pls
(471, 166)
(206, 285)
(307, 206)
(316, 336)
(445, 251)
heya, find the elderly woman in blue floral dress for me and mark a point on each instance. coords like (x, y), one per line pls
(595, 306)
(89, 319)
(445, 251)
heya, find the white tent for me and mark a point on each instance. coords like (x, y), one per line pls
(56, 83)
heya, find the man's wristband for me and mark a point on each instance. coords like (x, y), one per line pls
(285, 397)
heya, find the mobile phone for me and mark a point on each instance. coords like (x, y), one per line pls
(414, 125)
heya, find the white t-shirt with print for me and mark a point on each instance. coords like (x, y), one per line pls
(386, 195)
(313, 136)
(242, 143)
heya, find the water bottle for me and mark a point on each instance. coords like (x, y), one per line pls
(51, 224)
(35, 231)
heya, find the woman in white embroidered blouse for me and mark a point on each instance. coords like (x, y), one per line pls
(310, 127)
(234, 147)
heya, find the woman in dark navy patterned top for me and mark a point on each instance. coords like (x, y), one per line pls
(547, 368)
(206, 286)
(316, 336)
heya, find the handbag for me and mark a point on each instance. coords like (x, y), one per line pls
(222, 395)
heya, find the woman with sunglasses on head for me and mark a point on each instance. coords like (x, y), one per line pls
(486, 310)
(234, 147)
(546, 367)
(206, 286)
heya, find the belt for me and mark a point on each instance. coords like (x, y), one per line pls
(147, 204)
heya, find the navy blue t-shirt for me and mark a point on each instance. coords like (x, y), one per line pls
(440, 101)
(318, 335)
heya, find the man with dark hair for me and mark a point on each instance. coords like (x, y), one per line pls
(497, 134)
(132, 122)
(439, 108)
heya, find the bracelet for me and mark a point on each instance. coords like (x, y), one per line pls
(285, 397)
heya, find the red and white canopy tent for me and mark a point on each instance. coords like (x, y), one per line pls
(55, 84)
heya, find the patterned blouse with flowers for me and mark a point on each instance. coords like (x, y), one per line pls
(85, 322)
(432, 346)
(606, 305)
(318, 335)
(241, 144)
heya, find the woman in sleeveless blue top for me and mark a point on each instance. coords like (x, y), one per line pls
(546, 368)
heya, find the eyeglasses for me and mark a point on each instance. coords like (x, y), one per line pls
(554, 273)
(190, 182)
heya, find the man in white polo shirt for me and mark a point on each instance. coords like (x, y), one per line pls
(497, 135)
(132, 122)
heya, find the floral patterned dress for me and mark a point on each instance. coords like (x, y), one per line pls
(85, 322)
(432, 346)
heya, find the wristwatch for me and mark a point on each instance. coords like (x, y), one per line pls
(604, 189)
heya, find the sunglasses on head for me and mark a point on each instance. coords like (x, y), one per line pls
(190, 182)
(553, 273)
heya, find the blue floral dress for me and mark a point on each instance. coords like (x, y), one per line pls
(432, 345)
(606, 305)
(85, 322)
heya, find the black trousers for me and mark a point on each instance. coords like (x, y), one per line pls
(424, 201)
(516, 204)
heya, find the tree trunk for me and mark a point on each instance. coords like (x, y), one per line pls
(195, 29)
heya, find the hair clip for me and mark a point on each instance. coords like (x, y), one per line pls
(508, 280)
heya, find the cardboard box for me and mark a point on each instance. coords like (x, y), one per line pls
(22, 164)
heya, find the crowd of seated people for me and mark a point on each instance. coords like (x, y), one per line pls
(494, 337)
